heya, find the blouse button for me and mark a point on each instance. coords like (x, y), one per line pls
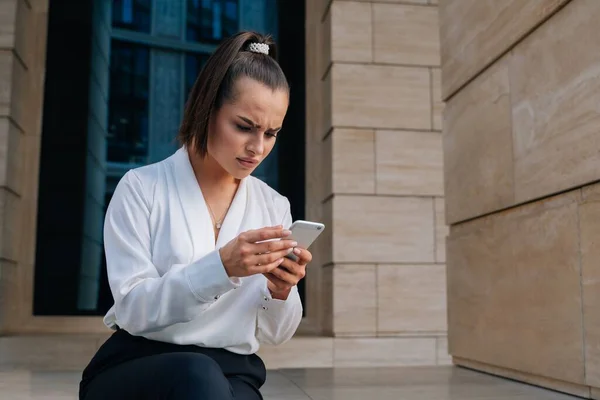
(264, 308)
(217, 297)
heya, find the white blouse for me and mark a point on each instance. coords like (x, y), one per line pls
(165, 271)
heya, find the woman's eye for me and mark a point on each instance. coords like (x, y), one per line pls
(272, 134)
(244, 128)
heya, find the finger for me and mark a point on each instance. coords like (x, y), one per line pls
(304, 256)
(264, 259)
(280, 284)
(285, 276)
(268, 233)
(265, 268)
(298, 270)
(291, 265)
(270, 247)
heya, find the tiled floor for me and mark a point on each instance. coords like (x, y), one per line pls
(435, 383)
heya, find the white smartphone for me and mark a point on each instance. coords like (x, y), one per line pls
(305, 233)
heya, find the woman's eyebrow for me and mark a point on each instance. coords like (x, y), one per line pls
(250, 122)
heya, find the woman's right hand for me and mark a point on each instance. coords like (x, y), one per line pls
(243, 256)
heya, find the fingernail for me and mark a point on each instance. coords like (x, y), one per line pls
(290, 250)
(280, 261)
(286, 232)
(294, 244)
(297, 251)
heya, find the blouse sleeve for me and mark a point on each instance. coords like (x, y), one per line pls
(278, 319)
(144, 300)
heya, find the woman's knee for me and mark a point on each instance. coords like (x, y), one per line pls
(196, 376)
(194, 365)
(177, 376)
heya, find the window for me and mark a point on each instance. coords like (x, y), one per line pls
(114, 98)
(211, 20)
(128, 103)
(193, 65)
(132, 14)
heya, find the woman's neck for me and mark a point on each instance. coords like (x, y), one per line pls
(210, 175)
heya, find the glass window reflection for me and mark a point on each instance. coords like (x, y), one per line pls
(193, 65)
(211, 20)
(132, 14)
(128, 104)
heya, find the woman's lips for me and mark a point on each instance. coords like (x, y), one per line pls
(247, 162)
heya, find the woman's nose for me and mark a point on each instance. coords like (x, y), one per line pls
(257, 145)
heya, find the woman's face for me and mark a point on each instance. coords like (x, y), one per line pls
(243, 132)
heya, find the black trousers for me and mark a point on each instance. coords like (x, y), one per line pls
(131, 367)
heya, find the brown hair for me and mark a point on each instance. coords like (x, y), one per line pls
(215, 83)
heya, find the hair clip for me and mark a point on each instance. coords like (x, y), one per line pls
(259, 48)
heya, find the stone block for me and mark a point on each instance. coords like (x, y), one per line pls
(376, 96)
(409, 163)
(10, 155)
(354, 300)
(411, 299)
(294, 354)
(370, 229)
(474, 33)
(351, 33)
(441, 230)
(13, 87)
(438, 104)
(352, 155)
(478, 163)
(555, 92)
(10, 226)
(443, 358)
(8, 19)
(406, 34)
(514, 295)
(589, 217)
(384, 352)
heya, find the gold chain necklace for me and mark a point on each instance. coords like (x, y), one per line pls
(218, 223)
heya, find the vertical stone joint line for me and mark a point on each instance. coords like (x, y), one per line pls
(512, 132)
(372, 32)
(431, 100)
(435, 225)
(376, 300)
(581, 294)
(375, 171)
(437, 351)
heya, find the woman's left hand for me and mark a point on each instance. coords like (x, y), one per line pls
(288, 274)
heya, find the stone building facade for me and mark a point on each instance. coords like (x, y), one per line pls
(520, 80)
(376, 290)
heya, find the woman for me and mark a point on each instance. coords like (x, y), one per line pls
(197, 279)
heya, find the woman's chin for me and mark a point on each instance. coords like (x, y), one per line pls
(238, 173)
(241, 176)
(242, 170)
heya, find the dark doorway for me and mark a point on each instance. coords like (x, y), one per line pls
(292, 58)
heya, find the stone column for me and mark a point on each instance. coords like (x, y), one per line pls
(22, 61)
(521, 82)
(375, 161)
(95, 168)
